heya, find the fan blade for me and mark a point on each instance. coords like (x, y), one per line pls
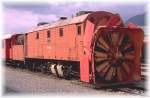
(114, 72)
(101, 46)
(126, 67)
(105, 69)
(123, 74)
(120, 39)
(123, 42)
(129, 56)
(100, 54)
(109, 74)
(100, 59)
(102, 66)
(119, 74)
(114, 37)
(101, 40)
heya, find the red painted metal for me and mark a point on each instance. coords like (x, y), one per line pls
(7, 48)
(137, 36)
(71, 46)
(17, 52)
(134, 34)
(84, 69)
(66, 47)
(115, 20)
(132, 25)
(89, 35)
(84, 62)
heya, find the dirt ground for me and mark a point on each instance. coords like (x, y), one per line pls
(19, 81)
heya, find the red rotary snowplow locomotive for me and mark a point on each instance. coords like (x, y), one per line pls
(95, 46)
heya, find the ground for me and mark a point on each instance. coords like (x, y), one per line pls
(19, 81)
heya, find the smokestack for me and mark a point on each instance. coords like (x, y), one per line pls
(63, 18)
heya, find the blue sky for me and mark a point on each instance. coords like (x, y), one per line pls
(20, 17)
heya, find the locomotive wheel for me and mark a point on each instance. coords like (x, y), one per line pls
(14, 64)
(43, 69)
(113, 56)
(67, 72)
(49, 68)
(33, 67)
(60, 71)
(18, 65)
(29, 66)
(53, 69)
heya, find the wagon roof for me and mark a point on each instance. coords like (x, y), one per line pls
(6, 36)
(77, 19)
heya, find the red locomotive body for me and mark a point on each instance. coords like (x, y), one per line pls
(95, 46)
(63, 40)
(73, 42)
(58, 41)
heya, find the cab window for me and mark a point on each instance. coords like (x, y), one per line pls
(79, 30)
(61, 32)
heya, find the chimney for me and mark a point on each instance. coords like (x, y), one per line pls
(63, 18)
(42, 23)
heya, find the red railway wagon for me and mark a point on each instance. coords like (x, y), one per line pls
(17, 50)
(6, 50)
(95, 46)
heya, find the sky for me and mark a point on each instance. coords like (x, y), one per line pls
(21, 17)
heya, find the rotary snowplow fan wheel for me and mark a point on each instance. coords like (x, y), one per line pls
(113, 56)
